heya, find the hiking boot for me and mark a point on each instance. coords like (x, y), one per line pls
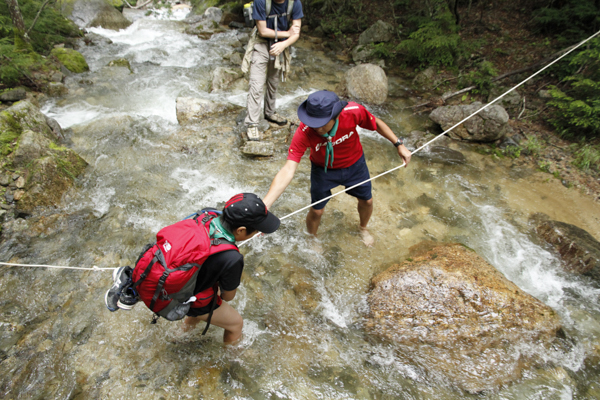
(121, 277)
(128, 298)
(276, 119)
(253, 133)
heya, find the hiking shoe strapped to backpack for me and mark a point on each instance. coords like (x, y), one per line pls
(120, 288)
(276, 119)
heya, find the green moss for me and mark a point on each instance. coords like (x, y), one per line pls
(10, 130)
(71, 59)
(56, 147)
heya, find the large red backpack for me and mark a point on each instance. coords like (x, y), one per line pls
(165, 274)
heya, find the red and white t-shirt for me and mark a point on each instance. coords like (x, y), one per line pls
(347, 148)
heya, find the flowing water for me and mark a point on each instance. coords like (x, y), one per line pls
(303, 310)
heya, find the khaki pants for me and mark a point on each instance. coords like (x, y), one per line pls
(262, 70)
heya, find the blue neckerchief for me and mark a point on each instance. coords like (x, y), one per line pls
(329, 136)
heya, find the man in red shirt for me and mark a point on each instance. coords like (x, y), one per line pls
(328, 128)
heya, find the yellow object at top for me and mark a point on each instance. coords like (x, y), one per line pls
(247, 5)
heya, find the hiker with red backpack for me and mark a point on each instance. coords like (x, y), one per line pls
(195, 265)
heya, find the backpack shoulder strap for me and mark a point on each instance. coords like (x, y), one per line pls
(268, 7)
(289, 10)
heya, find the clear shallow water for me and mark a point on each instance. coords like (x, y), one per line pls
(303, 311)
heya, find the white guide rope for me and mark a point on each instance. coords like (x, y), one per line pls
(94, 268)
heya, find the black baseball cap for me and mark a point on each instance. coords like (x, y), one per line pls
(247, 209)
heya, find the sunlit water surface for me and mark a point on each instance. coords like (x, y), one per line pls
(145, 172)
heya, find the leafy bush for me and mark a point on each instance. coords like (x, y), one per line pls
(587, 157)
(435, 43)
(16, 64)
(577, 103)
(481, 77)
(574, 19)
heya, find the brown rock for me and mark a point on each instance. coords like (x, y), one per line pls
(451, 312)
(579, 250)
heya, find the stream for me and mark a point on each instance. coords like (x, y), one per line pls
(300, 341)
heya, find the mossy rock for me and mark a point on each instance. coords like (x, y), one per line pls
(121, 62)
(71, 59)
(118, 4)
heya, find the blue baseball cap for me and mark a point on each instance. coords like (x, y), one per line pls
(320, 108)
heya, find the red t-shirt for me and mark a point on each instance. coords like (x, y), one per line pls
(347, 148)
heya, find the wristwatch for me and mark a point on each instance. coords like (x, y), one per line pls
(399, 142)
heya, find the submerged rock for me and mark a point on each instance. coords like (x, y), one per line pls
(443, 155)
(452, 313)
(487, 126)
(192, 110)
(579, 250)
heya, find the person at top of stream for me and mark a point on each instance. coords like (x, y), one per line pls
(328, 128)
(267, 55)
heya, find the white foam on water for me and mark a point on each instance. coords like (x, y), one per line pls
(73, 114)
(211, 189)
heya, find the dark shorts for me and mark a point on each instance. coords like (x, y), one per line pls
(321, 183)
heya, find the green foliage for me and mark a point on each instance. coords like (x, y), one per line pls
(383, 50)
(545, 166)
(571, 19)
(577, 104)
(16, 64)
(50, 28)
(481, 77)
(533, 145)
(587, 157)
(435, 43)
(513, 151)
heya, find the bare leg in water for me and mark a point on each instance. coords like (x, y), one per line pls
(365, 209)
(225, 317)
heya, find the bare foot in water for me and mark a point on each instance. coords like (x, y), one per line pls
(315, 245)
(367, 239)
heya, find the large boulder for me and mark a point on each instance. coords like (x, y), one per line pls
(579, 250)
(45, 169)
(454, 315)
(378, 32)
(97, 13)
(191, 110)
(366, 83)
(488, 125)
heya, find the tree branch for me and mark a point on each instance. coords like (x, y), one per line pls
(137, 6)
(37, 16)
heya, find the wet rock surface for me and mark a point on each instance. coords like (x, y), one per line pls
(579, 250)
(450, 303)
(191, 110)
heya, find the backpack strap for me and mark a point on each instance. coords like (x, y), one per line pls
(268, 7)
(213, 303)
(289, 11)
